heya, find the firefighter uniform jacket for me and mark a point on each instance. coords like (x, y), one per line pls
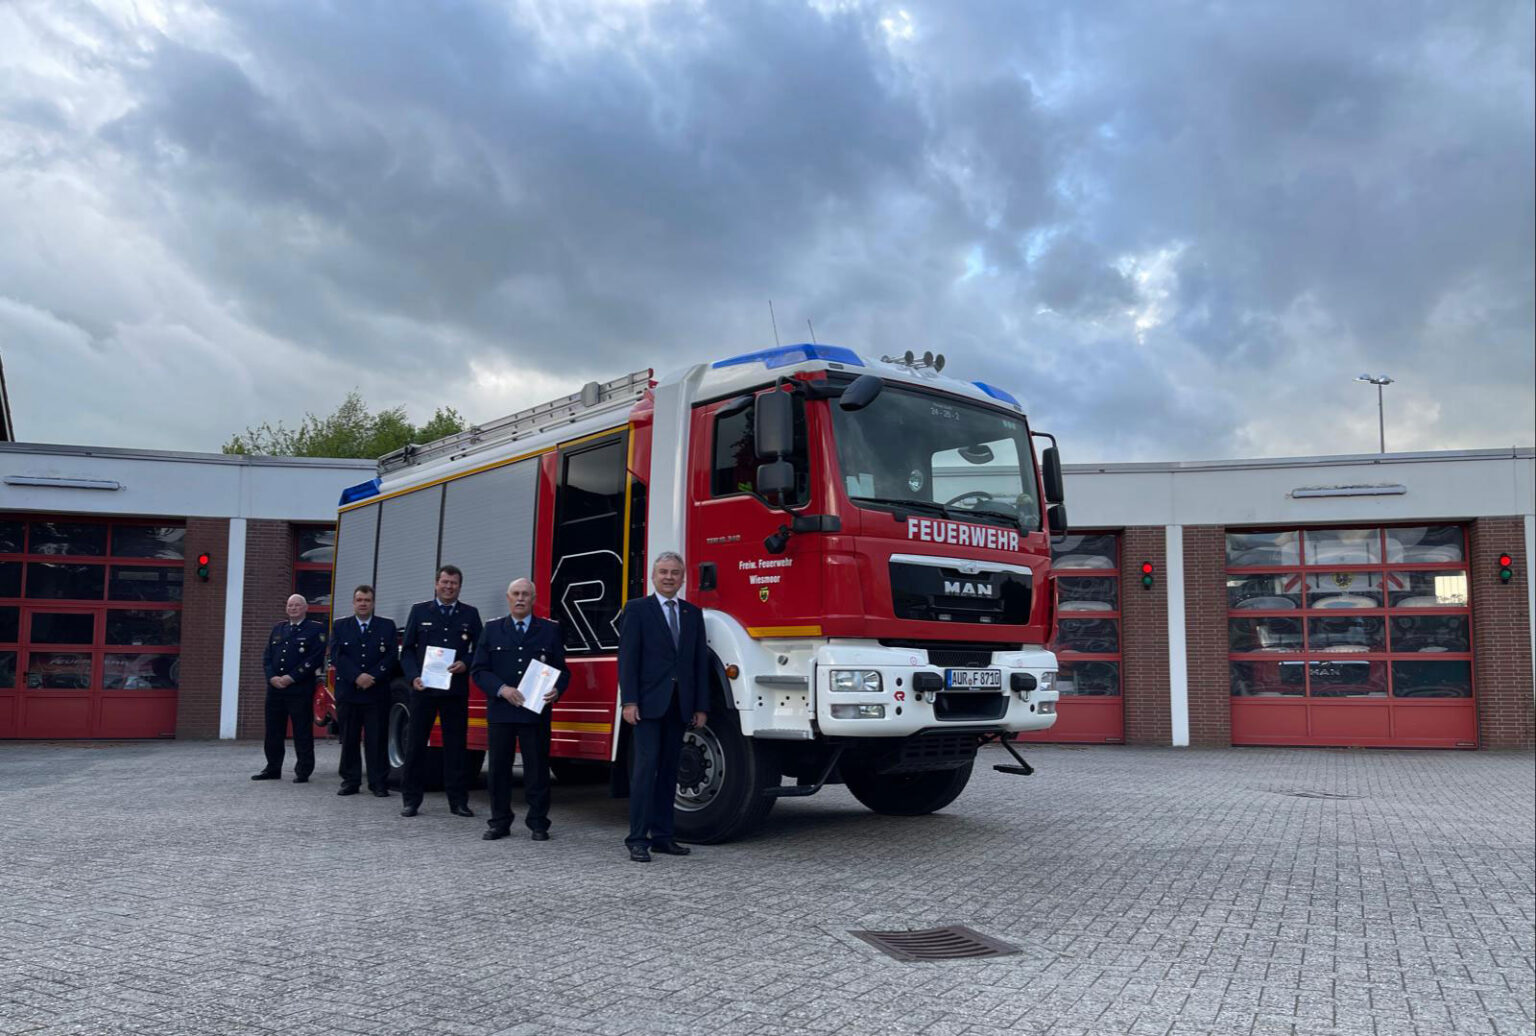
(431, 624)
(502, 657)
(354, 652)
(296, 650)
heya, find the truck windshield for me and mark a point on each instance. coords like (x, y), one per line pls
(938, 454)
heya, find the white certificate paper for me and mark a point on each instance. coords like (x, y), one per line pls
(538, 682)
(434, 668)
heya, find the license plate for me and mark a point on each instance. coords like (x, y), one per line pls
(974, 679)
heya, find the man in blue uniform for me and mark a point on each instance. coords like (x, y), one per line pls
(664, 684)
(444, 622)
(292, 660)
(501, 658)
(365, 654)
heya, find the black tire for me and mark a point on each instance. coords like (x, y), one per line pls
(721, 780)
(397, 731)
(578, 771)
(908, 794)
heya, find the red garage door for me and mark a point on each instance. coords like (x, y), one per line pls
(1355, 636)
(90, 627)
(1087, 568)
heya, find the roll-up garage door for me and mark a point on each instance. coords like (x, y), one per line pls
(488, 532)
(407, 561)
(357, 535)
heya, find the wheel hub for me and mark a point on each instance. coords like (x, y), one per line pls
(700, 769)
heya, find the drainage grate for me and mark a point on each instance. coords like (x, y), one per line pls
(952, 942)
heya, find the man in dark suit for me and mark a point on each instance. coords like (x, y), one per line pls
(444, 622)
(292, 659)
(365, 654)
(663, 683)
(501, 658)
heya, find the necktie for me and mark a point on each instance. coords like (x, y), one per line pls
(364, 625)
(521, 629)
(672, 621)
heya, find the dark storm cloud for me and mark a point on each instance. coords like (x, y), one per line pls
(1159, 226)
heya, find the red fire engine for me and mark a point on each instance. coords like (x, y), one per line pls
(869, 540)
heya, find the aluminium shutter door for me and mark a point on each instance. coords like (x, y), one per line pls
(407, 563)
(488, 529)
(357, 535)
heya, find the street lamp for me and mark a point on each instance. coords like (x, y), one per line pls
(1378, 380)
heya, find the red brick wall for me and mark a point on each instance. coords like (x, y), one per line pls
(1205, 632)
(1144, 639)
(1501, 635)
(269, 550)
(202, 630)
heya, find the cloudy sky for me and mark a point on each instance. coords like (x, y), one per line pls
(1175, 230)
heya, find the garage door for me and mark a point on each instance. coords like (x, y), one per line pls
(90, 627)
(1357, 636)
(1087, 568)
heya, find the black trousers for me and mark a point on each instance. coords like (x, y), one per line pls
(504, 740)
(296, 705)
(657, 746)
(426, 709)
(365, 726)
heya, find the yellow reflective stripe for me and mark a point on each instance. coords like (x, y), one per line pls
(783, 631)
(582, 728)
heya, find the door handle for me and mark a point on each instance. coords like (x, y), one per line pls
(708, 576)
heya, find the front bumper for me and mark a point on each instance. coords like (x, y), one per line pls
(914, 693)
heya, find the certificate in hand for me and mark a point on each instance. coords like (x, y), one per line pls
(538, 682)
(434, 668)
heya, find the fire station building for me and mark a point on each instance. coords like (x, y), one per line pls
(1373, 600)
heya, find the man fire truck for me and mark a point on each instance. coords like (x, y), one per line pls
(869, 541)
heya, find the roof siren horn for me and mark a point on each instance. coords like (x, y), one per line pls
(912, 361)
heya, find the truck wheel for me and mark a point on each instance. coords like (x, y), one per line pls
(398, 733)
(721, 780)
(907, 794)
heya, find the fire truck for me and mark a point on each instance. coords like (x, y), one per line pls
(869, 541)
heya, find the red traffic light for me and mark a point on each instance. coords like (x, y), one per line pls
(203, 559)
(1146, 568)
(1505, 560)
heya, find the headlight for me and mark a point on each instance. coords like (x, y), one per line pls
(865, 681)
(1048, 680)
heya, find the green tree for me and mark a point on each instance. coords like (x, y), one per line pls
(349, 431)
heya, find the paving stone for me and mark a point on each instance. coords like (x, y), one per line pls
(151, 888)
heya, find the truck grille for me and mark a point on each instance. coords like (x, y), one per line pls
(938, 594)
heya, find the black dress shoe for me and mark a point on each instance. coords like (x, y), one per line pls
(266, 775)
(540, 836)
(639, 854)
(301, 780)
(493, 834)
(380, 793)
(347, 791)
(408, 811)
(670, 849)
(461, 811)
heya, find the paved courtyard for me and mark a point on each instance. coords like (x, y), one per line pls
(151, 888)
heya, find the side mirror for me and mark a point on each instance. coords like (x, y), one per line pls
(861, 393)
(1055, 491)
(1056, 518)
(773, 427)
(775, 480)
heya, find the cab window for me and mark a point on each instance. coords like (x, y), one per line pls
(736, 460)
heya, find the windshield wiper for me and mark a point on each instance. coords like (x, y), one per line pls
(934, 507)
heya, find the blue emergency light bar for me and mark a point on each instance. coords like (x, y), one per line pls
(997, 393)
(789, 355)
(361, 491)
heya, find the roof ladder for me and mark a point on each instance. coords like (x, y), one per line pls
(594, 398)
